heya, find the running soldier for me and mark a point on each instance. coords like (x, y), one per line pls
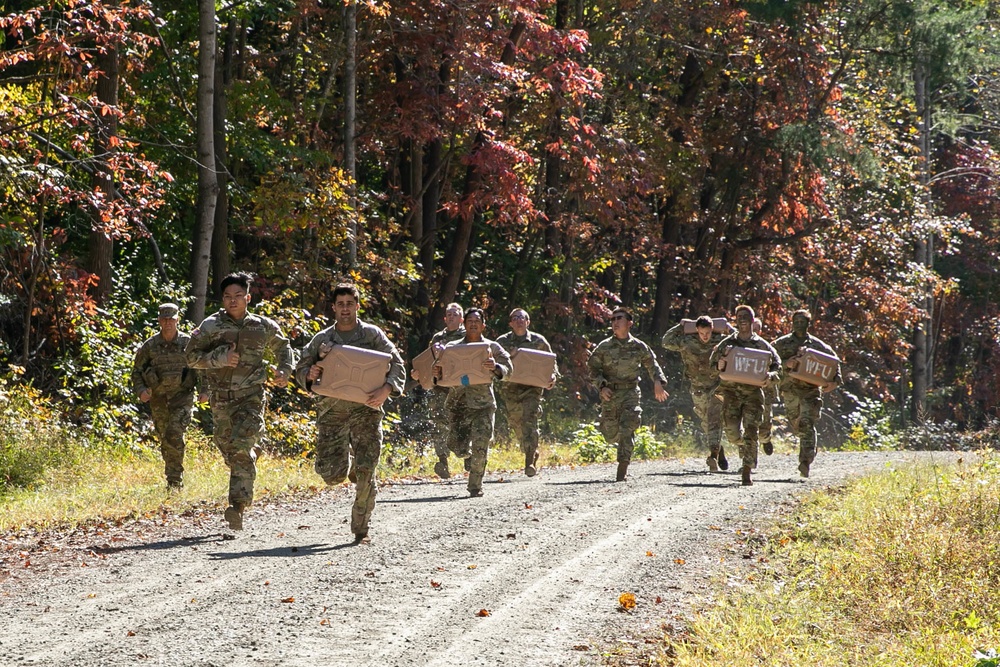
(345, 425)
(524, 402)
(615, 365)
(231, 347)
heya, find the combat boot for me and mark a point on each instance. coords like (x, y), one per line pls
(713, 463)
(622, 471)
(530, 459)
(746, 481)
(441, 469)
(234, 516)
(723, 461)
(767, 447)
(804, 469)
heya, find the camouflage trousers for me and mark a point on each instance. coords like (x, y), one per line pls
(437, 415)
(171, 418)
(470, 432)
(524, 408)
(803, 408)
(708, 410)
(767, 419)
(345, 428)
(620, 418)
(742, 410)
(239, 426)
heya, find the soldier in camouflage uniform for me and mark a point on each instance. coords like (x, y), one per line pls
(743, 404)
(230, 347)
(344, 425)
(161, 377)
(803, 401)
(472, 408)
(695, 351)
(524, 402)
(453, 331)
(614, 366)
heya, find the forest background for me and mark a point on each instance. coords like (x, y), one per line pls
(677, 158)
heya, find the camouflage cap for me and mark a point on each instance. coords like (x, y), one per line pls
(169, 311)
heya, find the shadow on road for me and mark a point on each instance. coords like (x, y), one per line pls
(155, 546)
(432, 499)
(280, 552)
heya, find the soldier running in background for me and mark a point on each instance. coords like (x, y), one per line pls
(161, 377)
(230, 346)
(696, 352)
(743, 404)
(614, 366)
(524, 402)
(341, 424)
(472, 408)
(803, 401)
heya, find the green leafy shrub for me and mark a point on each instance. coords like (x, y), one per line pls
(591, 445)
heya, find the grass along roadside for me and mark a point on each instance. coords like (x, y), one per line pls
(899, 568)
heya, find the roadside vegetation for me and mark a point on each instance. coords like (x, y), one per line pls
(898, 568)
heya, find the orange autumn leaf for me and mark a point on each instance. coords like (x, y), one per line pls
(435, 584)
(626, 601)
(650, 554)
(483, 612)
(290, 599)
(679, 561)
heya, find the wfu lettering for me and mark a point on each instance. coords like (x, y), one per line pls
(819, 369)
(750, 365)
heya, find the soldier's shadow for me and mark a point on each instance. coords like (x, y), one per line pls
(280, 552)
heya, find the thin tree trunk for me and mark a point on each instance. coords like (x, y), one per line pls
(924, 256)
(208, 184)
(350, 119)
(220, 231)
(101, 244)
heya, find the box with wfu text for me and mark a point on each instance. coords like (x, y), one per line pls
(745, 365)
(536, 368)
(351, 373)
(462, 364)
(813, 367)
(423, 364)
(719, 325)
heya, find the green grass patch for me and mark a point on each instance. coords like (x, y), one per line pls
(900, 568)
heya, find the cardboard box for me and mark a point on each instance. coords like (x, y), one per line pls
(745, 366)
(814, 367)
(351, 373)
(462, 364)
(535, 368)
(423, 364)
(719, 325)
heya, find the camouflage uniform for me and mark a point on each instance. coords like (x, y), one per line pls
(344, 426)
(704, 380)
(437, 396)
(743, 404)
(237, 394)
(471, 410)
(616, 364)
(161, 367)
(767, 418)
(803, 401)
(523, 402)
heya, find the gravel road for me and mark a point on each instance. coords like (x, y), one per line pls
(529, 574)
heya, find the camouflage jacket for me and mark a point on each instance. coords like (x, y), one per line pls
(617, 363)
(755, 342)
(788, 346)
(364, 335)
(444, 336)
(695, 355)
(481, 395)
(161, 367)
(253, 338)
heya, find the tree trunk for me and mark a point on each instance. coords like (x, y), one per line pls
(922, 359)
(220, 231)
(666, 277)
(208, 184)
(101, 245)
(350, 119)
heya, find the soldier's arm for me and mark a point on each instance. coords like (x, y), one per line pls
(595, 364)
(284, 355)
(504, 366)
(139, 366)
(673, 340)
(396, 377)
(204, 350)
(310, 355)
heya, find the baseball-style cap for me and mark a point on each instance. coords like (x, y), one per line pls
(169, 311)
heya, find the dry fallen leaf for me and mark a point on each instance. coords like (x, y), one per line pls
(473, 566)
(626, 601)
(130, 634)
(650, 554)
(527, 506)
(714, 528)
(325, 621)
(289, 600)
(679, 561)
(658, 599)
(483, 612)
(435, 584)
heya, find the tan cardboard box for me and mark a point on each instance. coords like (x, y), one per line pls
(813, 366)
(535, 368)
(423, 364)
(745, 366)
(462, 364)
(351, 373)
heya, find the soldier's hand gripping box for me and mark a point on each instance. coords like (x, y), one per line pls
(423, 364)
(351, 373)
(719, 325)
(745, 366)
(462, 364)
(813, 367)
(535, 368)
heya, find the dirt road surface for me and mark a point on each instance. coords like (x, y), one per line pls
(529, 574)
